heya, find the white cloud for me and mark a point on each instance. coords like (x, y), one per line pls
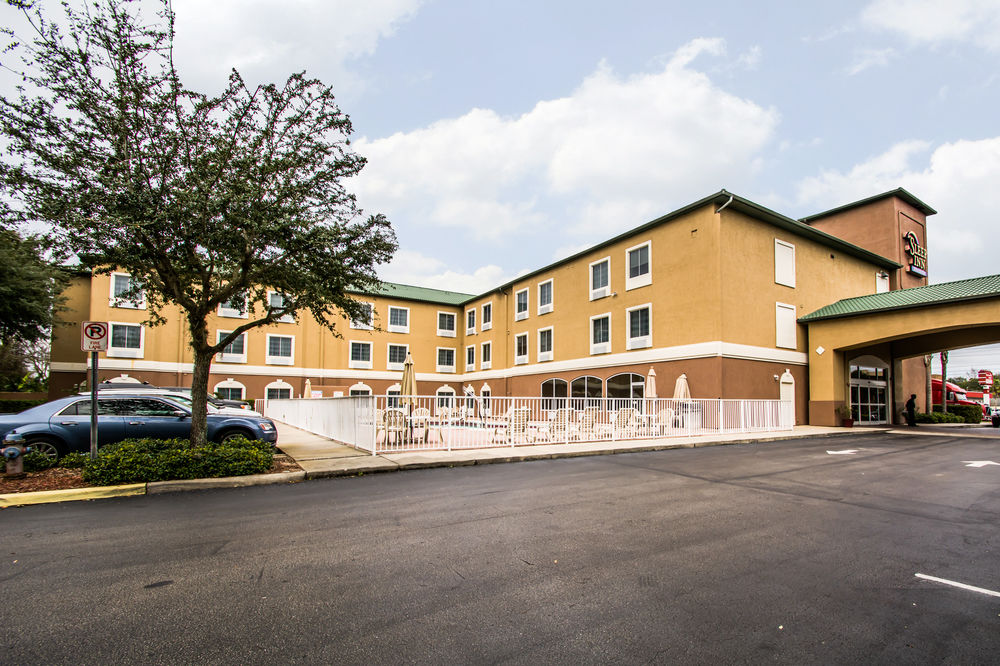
(409, 267)
(868, 58)
(266, 41)
(938, 21)
(614, 152)
(957, 179)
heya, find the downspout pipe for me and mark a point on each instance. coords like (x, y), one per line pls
(719, 209)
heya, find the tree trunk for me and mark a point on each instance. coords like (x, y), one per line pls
(199, 380)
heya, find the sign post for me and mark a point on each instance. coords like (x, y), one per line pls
(93, 338)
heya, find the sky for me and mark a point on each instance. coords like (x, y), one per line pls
(502, 136)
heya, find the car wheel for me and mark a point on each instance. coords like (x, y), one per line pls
(231, 435)
(47, 447)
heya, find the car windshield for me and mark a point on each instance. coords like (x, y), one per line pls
(187, 402)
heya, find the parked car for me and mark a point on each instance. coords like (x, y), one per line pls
(181, 395)
(63, 425)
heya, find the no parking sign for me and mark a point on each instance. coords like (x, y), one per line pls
(94, 336)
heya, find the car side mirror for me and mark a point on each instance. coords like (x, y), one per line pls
(180, 413)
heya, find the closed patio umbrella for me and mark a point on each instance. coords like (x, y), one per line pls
(307, 392)
(408, 386)
(681, 389)
(651, 384)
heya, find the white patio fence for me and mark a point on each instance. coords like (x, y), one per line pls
(387, 424)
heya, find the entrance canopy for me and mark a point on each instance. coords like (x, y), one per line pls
(895, 325)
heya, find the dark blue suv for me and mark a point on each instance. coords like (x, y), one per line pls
(63, 425)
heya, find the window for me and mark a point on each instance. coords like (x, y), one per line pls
(487, 316)
(600, 276)
(235, 351)
(126, 341)
(586, 392)
(881, 282)
(361, 355)
(545, 344)
(399, 319)
(236, 307)
(545, 297)
(638, 335)
(445, 359)
(392, 396)
(276, 301)
(626, 390)
(521, 305)
(445, 397)
(486, 357)
(278, 390)
(126, 292)
(280, 350)
(446, 324)
(784, 263)
(366, 319)
(485, 394)
(600, 334)
(229, 393)
(359, 389)
(230, 390)
(521, 349)
(554, 394)
(396, 356)
(637, 267)
(470, 358)
(785, 326)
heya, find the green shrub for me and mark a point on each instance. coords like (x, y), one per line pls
(18, 406)
(74, 460)
(939, 417)
(968, 413)
(142, 460)
(36, 462)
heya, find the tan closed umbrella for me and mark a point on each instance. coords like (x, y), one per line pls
(651, 384)
(408, 385)
(307, 392)
(681, 389)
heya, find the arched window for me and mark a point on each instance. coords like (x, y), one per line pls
(230, 390)
(485, 397)
(445, 396)
(625, 388)
(586, 392)
(278, 390)
(360, 389)
(554, 392)
(392, 395)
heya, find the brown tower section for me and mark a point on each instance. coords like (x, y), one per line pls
(893, 224)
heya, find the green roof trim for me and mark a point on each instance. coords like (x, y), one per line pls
(901, 299)
(899, 192)
(423, 294)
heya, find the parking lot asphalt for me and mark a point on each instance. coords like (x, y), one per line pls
(804, 551)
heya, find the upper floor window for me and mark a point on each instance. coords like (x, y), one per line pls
(638, 327)
(280, 350)
(399, 319)
(881, 282)
(396, 356)
(521, 305)
(470, 358)
(487, 316)
(445, 359)
(545, 297)
(600, 278)
(785, 326)
(486, 357)
(638, 266)
(446, 324)
(600, 334)
(545, 344)
(235, 351)
(126, 341)
(470, 321)
(361, 355)
(365, 321)
(276, 300)
(521, 349)
(784, 263)
(126, 292)
(235, 307)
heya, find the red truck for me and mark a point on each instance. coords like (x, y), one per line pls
(956, 395)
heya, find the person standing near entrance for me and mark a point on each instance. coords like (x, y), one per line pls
(911, 410)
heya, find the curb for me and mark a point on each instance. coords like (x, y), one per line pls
(367, 465)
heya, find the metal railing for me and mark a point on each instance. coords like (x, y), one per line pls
(389, 424)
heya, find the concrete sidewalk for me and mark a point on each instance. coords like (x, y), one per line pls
(322, 457)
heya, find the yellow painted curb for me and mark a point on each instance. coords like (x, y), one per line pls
(70, 495)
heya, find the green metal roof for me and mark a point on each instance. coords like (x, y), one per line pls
(900, 299)
(899, 192)
(410, 293)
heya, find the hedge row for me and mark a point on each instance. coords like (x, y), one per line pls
(969, 413)
(939, 417)
(143, 460)
(18, 406)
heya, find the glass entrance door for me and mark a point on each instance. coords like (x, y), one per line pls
(869, 395)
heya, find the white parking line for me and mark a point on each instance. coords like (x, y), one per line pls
(956, 584)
